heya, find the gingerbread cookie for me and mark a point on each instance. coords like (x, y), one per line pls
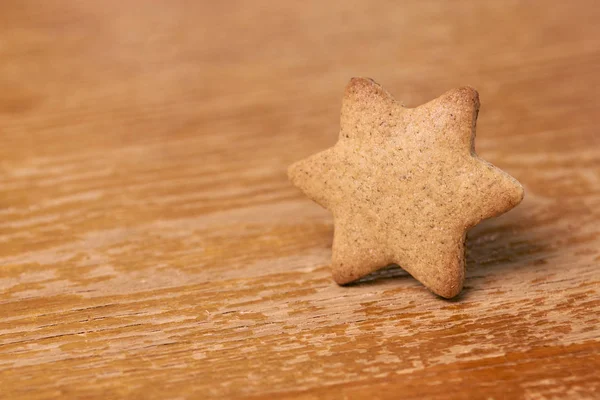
(405, 185)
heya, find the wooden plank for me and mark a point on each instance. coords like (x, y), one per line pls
(151, 245)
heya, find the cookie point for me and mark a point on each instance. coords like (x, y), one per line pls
(449, 291)
(361, 80)
(449, 294)
(519, 193)
(358, 84)
(467, 93)
(366, 90)
(293, 171)
(342, 276)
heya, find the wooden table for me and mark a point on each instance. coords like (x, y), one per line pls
(152, 247)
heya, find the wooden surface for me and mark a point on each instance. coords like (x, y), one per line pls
(152, 247)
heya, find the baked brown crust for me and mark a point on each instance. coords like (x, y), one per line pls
(405, 185)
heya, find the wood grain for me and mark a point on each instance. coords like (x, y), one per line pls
(152, 247)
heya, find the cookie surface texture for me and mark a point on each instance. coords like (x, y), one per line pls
(405, 185)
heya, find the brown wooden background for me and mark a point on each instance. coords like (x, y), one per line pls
(152, 247)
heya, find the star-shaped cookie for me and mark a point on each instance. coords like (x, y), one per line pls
(405, 185)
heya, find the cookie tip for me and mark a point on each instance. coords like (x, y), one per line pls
(360, 84)
(467, 94)
(365, 91)
(451, 292)
(341, 277)
(361, 81)
(451, 288)
(519, 193)
(463, 100)
(514, 191)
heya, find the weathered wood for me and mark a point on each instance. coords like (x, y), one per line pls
(152, 247)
